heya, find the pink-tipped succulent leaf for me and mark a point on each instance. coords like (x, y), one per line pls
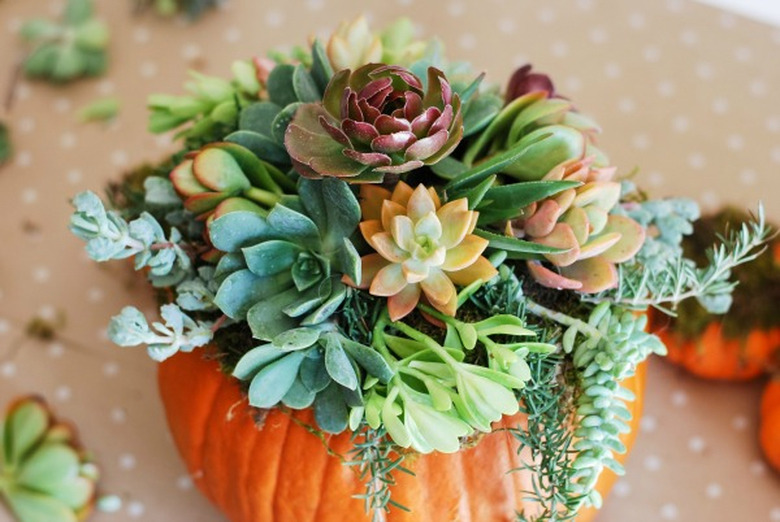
(579, 221)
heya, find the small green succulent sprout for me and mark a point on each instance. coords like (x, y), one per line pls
(226, 171)
(178, 332)
(44, 473)
(109, 236)
(285, 269)
(212, 105)
(68, 50)
(312, 366)
(6, 149)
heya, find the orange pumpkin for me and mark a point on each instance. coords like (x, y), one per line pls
(745, 343)
(281, 472)
(713, 355)
(769, 430)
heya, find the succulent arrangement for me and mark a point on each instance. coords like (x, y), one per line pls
(370, 231)
(69, 49)
(44, 472)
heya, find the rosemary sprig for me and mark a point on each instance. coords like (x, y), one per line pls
(681, 279)
(376, 458)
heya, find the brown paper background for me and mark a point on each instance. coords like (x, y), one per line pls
(688, 93)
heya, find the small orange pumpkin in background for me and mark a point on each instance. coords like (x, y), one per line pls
(743, 344)
(281, 472)
(769, 429)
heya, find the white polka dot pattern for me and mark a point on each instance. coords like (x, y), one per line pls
(689, 94)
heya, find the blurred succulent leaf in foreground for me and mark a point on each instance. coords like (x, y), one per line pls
(44, 473)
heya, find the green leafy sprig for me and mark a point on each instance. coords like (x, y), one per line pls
(109, 236)
(65, 51)
(376, 458)
(679, 278)
(178, 332)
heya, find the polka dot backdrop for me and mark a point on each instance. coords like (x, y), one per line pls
(689, 96)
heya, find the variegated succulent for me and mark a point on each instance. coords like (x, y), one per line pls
(376, 120)
(422, 247)
(578, 220)
(44, 473)
(228, 174)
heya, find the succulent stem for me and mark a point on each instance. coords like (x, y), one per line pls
(561, 318)
(427, 341)
(262, 196)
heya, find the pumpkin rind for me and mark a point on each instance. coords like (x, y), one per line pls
(713, 355)
(769, 430)
(282, 472)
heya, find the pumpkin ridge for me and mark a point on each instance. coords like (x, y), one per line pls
(279, 468)
(323, 474)
(214, 449)
(243, 472)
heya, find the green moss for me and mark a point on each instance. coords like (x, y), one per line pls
(756, 296)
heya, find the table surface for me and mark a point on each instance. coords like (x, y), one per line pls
(689, 93)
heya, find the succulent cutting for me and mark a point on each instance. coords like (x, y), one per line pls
(74, 47)
(44, 473)
(192, 9)
(377, 241)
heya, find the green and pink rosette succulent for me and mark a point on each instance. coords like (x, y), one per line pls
(374, 121)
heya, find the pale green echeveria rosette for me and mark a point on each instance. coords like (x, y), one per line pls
(353, 44)
(374, 121)
(283, 270)
(68, 50)
(44, 473)
(312, 367)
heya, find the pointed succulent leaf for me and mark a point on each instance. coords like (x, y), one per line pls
(518, 246)
(255, 359)
(296, 339)
(298, 397)
(274, 380)
(242, 290)
(266, 317)
(369, 359)
(330, 409)
(280, 85)
(271, 257)
(235, 230)
(338, 364)
(264, 147)
(545, 148)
